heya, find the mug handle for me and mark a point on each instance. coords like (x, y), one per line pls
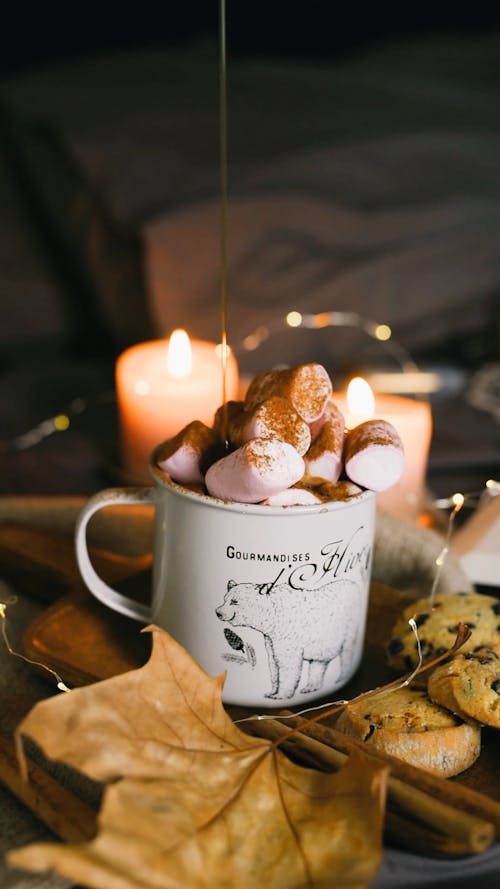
(101, 590)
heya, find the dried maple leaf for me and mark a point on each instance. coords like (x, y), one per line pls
(192, 800)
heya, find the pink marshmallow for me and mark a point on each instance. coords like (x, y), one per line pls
(331, 411)
(180, 457)
(293, 497)
(324, 458)
(273, 418)
(374, 456)
(308, 387)
(257, 470)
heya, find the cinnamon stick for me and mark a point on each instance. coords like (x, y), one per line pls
(452, 793)
(63, 812)
(415, 818)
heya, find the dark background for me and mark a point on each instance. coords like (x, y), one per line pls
(32, 385)
(317, 29)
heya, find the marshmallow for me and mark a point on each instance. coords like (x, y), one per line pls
(373, 455)
(308, 387)
(257, 470)
(324, 457)
(331, 411)
(273, 418)
(181, 456)
(293, 496)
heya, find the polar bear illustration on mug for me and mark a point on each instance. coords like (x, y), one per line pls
(305, 626)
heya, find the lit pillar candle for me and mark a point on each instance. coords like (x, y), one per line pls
(413, 421)
(161, 386)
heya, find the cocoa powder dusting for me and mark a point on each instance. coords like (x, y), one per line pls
(282, 421)
(330, 491)
(342, 490)
(309, 388)
(259, 454)
(330, 438)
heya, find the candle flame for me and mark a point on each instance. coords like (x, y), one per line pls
(360, 399)
(179, 354)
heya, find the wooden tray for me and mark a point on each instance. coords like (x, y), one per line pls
(85, 641)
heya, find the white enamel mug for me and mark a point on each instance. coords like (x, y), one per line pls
(276, 597)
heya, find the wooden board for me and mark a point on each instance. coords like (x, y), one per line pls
(84, 641)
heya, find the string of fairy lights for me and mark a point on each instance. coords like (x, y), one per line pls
(332, 705)
(12, 600)
(382, 333)
(63, 420)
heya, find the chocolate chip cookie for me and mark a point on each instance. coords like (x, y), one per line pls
(469, 685)
(438, 626)
(405, 723)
